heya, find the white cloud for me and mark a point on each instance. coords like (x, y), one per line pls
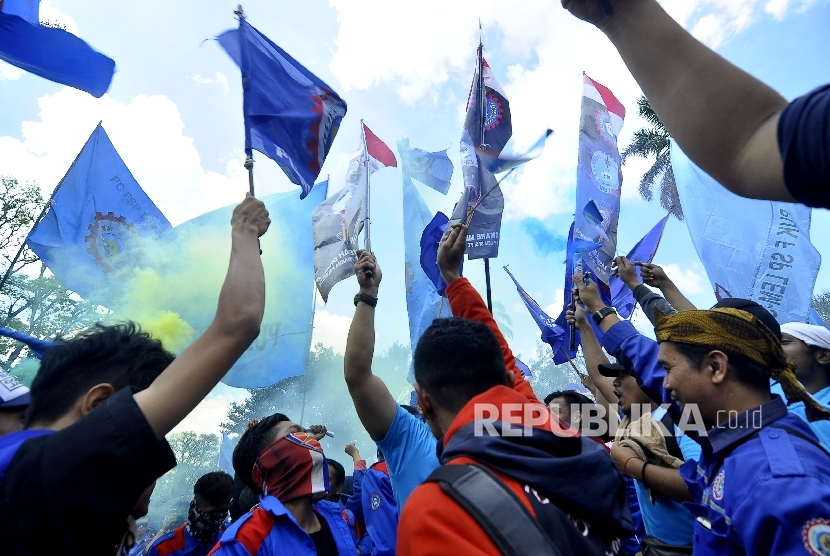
(50, 13)
(687, 280)
(777, 8)
(330, 329)
(148, 134)
(9, 73)
(209, 414)
(220, 79)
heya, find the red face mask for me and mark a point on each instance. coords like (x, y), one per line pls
(292, 467)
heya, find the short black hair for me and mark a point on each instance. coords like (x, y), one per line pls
(747, 372)
(216, 488)
(251, 444)
(457, 359)
(571, 396)
(119, 354)
(339, 474)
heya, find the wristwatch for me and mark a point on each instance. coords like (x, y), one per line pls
(602, 313)
(365, 298)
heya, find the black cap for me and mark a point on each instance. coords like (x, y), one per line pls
(611, 370)
(753, 309)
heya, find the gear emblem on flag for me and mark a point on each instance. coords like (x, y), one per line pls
(605, 128)
(606, 172)
(112, 242)
(493, 112)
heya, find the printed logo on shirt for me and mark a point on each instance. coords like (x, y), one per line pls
(375, 501)
(816, 536)
(717, 485)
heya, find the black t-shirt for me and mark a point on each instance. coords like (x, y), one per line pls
(323, 539)
(804, 142)
(71, 492)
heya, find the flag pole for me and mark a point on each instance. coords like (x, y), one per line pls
(367, 236)
(482, 107)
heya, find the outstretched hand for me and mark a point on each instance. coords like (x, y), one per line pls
(588, 293)
(366, 261)
(451, 252)
(653, 275)
(577, 317)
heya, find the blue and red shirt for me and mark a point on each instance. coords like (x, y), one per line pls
(179, 542)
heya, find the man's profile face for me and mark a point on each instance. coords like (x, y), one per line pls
(683, 381)
(562, 409)
(799, 352)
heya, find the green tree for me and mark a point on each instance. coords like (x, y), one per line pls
(196, 455)
(653, 141)
(821, 303)
(31, 298)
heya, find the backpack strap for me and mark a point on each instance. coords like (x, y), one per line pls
(671, 440)
(501, 514)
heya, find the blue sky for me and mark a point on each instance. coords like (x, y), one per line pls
(174, 114)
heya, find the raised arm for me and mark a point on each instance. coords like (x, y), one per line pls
(199, 368)
(656, 277)
(722, 117)
(374, 404)
(466, 302)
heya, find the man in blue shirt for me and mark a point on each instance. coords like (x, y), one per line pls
(809, 347)
(212, 495)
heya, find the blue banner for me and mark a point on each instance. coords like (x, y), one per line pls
(599, 177)
(752, 249)
(53, 54)
(431, 169)
(423, 303)
(37, 346)
(91, 236)
(291, 115)
(622, 298)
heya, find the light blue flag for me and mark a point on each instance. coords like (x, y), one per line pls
(90, 237)
(193, 259)
(226, 455)
(431, 169)
(423, 304)
(752, 249)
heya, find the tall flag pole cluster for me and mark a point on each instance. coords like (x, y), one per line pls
(337, 221)
(599, 177)
(758, 250)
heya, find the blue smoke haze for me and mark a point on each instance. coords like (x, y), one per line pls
(545, 240)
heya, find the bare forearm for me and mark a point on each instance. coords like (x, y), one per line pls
(360, 345)
(716, 112)
(666, 481)
(594, 356)
(199, 368)
(676, 298)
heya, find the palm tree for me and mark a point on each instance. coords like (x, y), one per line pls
(654, 141)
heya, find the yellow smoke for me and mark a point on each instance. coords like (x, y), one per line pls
(169, 328)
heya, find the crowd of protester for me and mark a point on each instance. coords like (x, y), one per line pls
(710, 439)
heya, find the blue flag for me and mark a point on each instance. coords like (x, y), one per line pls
(291, 116)
(598, 178)
(54, 54)
(551, 333)
(225, 462)
(423, 303)
(199, 250)
(99, 215)
(621, 297)
(431, 169)
(36, 346)
(752, 249)
(524, 368)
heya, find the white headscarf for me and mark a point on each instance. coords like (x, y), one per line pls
(810, 334)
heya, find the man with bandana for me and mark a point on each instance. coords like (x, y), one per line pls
(808, 346)
(212, 496)
(286, 465)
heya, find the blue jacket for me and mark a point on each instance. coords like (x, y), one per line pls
(178, 542)
(270, 529)
(761, 486)
(373, 503)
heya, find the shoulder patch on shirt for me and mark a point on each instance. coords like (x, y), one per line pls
(717, 485)
(375, 501)
(816, 536)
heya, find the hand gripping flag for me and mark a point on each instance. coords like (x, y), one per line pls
(758, 250)
(621, 297)
(423, 303)
(291, 116)
(91, 236)
(338, 220)
(599, 177)
(487, 126)
(51, 53)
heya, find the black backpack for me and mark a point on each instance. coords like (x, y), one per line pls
(507, 521)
